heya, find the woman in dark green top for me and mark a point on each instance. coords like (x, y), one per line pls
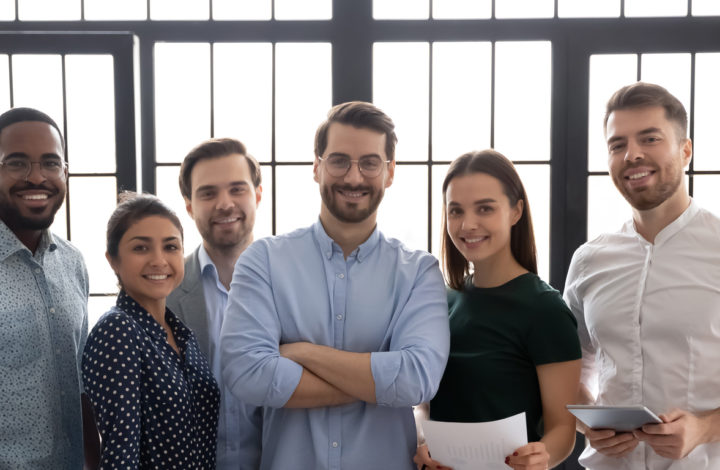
(514, 346)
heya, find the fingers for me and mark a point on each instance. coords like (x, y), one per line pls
(597, 434)
(618, 445)
(672, 415)
(532, 456)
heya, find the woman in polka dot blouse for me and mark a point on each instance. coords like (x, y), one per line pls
(155, 398)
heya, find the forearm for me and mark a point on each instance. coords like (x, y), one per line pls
(559, 442)
(584, 397)
(349, 372)
(711, 421)
(313, 392)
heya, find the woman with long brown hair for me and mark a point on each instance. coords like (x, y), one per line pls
(514, 346)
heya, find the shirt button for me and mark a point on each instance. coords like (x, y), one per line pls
(52, 310)
(38, 270)
(341, 276)
(335, 444)
(339, 317)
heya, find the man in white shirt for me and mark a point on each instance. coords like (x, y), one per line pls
(221, 185)
(647, 298)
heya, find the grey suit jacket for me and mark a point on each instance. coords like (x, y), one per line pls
(187, 301)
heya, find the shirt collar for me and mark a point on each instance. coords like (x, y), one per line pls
(204, 260)
(138, 313)
(328, 245)
(672, 228)
(10, 244)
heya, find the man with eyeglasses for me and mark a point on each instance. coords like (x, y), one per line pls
(43, 301)
(336, 329)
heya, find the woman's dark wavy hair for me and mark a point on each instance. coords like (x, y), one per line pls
(522, 238)
(133, 207)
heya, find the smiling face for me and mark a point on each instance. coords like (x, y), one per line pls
(223, 202)
(149, 262)
(480, 217)
(352, 198)
(646, 156)
(30, 204)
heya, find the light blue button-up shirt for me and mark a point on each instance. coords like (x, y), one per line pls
(238, 446)
(384, 299)
(43, 327)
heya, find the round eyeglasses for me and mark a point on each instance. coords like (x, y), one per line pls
(20, 168)
(370, 166)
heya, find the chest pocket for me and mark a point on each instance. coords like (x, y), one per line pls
(20, 342)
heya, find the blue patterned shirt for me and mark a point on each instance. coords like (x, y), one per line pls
(43, 325)
(384, 299)
(155, 408)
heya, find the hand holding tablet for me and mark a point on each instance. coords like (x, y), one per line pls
(618, 418)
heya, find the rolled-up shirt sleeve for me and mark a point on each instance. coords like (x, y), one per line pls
(249, 340)
(409, 372)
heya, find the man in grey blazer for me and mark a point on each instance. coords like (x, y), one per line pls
(221, 185)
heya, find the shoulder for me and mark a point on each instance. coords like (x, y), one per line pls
(404, 254)
(114, 322)
(547, 300)
(290, 241)
(708, 222)
(68, 252)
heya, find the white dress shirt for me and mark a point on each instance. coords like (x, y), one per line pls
(649, 325)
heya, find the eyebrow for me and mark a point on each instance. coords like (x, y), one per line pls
(649, 130)
(214, 186)
(149, 239)
(44, 156)
(479, 201)
(340, 154)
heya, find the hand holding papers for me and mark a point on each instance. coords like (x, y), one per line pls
(469, 446)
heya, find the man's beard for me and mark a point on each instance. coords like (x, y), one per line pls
(227, 241)
(10, 214)
(352, 214)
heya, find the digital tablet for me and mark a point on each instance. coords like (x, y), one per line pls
(619, 418)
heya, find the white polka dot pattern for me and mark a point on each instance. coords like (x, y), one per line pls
(154, 408)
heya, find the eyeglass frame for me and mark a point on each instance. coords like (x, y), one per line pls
(60, 175)
(357, 162)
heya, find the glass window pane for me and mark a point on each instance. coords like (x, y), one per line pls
(37, 83)
(403, 213)
(401, 89)
(608, 73)
(523, 135)
(524, 8)
(303, 9)
(182, 98)
(461, 98)
(98, 305)
(401, 9)
(7, 10)
(4, 82)
(241, 10)
(243, 95)
(607, 209)
(705, 7)
(115, 9)
(298, 197)
(461, 9)
(536, 179)
(90, 113)
(706, 147)
(92, 200)
(671, 71)
(438, 176)
(303, 96)
(588, 8)
(263, 215)
(49, 10)
(168, 190)
(706, 191)
(656, 7)
(59, 225)
(179, 9)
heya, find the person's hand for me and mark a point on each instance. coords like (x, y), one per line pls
(532, 456)
(674, 438)
(424, 462)
(609, 442)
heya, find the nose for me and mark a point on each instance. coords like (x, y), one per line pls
(35, 176)
(633, 152)
(158, 257)
(469, 223)
(224, 201)
(353, 175)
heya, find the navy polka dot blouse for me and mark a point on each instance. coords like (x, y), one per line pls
(154, 408)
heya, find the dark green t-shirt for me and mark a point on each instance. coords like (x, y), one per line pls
(497, 337)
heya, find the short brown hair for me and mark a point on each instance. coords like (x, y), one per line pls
(644, 95)
(215, 148)
(361, 115)
(522, 237)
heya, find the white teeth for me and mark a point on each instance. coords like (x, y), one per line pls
(35, 197)
(348, 194)
(474, 240)
(226, 221)
(637, 176)
(156, 277)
